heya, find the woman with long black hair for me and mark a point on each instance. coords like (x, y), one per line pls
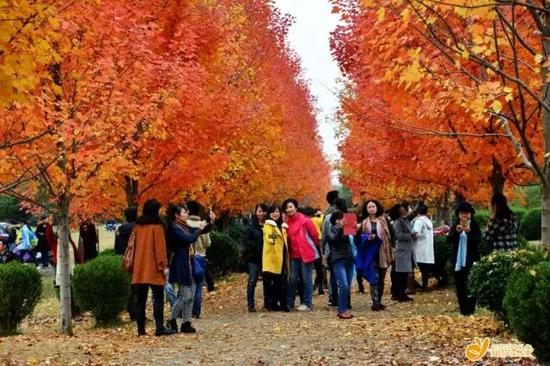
(180, 238)
(150, 266)
(378, 234)
(275, 260)
(502, 229)
(253, 247)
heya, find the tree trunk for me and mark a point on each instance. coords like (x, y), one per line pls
(497, 178)
(444, 213)
(545, 219)
(131, 189)
(64, 266)
(545, 186)
(224, 221)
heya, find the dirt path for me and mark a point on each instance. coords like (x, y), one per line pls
(426, 332)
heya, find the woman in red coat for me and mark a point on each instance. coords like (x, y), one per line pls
(303, 241)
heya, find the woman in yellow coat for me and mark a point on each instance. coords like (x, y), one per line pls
(275, 260)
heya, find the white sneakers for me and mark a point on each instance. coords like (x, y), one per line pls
(303, 308)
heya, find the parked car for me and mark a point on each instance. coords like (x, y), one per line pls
(110, 225)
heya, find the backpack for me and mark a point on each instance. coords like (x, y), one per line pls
(33, 239)
(18, 235)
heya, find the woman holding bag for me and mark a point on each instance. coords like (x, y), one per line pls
(377, 232)
(149, 266)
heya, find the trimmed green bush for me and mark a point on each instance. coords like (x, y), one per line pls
(530, 225)
(484, 248)
(522, 242)
(236, 231)
(20, 291)
(102, 287)
(489, 276)
(520, 212)
(223, 254)
(527, 307)
(109, 251)
(442, 251)
(482, 217)
(442, 256)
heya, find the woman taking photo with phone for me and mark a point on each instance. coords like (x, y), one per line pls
(180, 238)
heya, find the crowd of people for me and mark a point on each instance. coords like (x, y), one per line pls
(286, 246)
(39, 247)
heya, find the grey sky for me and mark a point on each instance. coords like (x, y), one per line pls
(309, 37)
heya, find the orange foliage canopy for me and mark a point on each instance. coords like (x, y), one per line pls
(166, 99)
(428, 109)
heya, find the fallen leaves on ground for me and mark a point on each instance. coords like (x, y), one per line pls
(428, 331)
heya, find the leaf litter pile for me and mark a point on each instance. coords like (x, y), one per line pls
(428, 331)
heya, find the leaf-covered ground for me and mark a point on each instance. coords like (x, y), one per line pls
(428, 331)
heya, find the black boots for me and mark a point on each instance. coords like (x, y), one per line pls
(173, 325)
(187, 328)
(163, 331)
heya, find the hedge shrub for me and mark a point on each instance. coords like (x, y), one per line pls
(527, 307)
(442, 251)
(530, 225)
(20, 291)
(236, 231)
(223, 254)
(520, 212)
(523, 243)
(489, 276)
(482, 217)
(102, 287)
(109, 251)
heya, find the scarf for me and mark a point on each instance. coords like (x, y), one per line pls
(462, 251)
(385, 255)
(366, 255)
(183, 225)
(187, 229)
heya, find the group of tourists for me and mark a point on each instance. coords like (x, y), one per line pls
(40, 246)
(27, 246)
(168, 258)
(284, 244)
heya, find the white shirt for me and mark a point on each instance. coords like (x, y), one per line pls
(424, 244)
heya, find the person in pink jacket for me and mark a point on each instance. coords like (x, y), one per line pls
(303, 241)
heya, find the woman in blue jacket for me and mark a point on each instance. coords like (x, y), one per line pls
(179, 239)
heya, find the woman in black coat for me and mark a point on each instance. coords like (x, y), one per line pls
(465, 237)
(253, 251)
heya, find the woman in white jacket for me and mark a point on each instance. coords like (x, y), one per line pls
(424, 244)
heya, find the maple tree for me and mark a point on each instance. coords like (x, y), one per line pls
(164, 99)
(456, 89)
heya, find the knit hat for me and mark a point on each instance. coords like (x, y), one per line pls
(464, 207)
